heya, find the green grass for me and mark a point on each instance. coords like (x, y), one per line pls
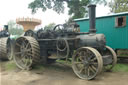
(120, 68)
(10, 65)
(63, 62)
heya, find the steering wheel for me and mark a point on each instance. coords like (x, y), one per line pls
(58, 27)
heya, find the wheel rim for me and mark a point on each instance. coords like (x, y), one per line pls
(87, 63)
(23, 53)
(110, 51)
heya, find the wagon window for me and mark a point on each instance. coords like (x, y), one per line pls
(120, 21)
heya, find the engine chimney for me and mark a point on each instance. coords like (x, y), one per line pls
(6, 27)
(92, 18)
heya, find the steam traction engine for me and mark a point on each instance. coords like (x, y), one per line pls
(88, 51)
(5, 49)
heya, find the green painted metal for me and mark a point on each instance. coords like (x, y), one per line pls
(116, 37)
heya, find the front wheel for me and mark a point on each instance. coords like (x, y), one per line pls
(87, 63)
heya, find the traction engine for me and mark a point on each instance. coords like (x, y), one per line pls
(87, 50)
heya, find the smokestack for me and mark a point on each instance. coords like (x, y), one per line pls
(6, 27)
(92, 16)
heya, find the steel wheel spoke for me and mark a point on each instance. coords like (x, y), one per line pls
(93, 59)
(18, 44)
(28, 50)
(93, 67)
(29, 54)
(81, 54)
(78, 62)
(26, 61)
(88, 72)
(92, 70)
(27, 46)
(17, 53)
(23, 44)
(93, 63)
(81, 70)
(21, 60)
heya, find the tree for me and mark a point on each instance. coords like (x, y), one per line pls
(76, 9)
(118, 6)
(49, 26)
(14, 28)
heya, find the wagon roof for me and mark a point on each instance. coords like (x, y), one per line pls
(111, 15)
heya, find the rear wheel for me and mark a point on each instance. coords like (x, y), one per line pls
(3, 48)
(27, 52)
(87, 63)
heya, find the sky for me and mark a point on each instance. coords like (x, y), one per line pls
(12, 9)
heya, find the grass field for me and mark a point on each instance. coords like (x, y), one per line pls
(10, 65)
(120, 68)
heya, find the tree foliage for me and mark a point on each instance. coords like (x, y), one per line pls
(14, 28)
(118, 6)
(76, 8)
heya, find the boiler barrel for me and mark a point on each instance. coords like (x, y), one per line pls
(92, 40)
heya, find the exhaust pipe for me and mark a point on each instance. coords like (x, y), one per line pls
(92, 16)
(6, 27)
